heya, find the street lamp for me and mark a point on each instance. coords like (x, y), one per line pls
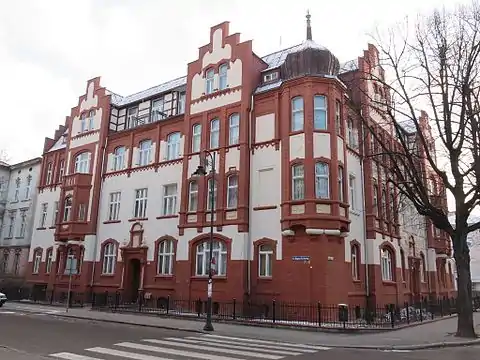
(209, 160)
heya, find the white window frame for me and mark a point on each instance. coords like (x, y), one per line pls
(209, 81)
(62, 170)
(298, 182)
(109, 259)
(132, 114)
(322, 180)
(354, 261)
(375, 197)
(340, 184)
(202, 258)
(352, 187)
(49, 178)
(234, 129)
(215, 133)
(387, 265)
(170, 193)
(196, 138)
(119, 158)
(48, 261)
(165, 257)
(265, 261)
(209, 194)
(320, 112)
(158, 110)
(28, 187)
(222, 77)
(17, 189)
(67, 209)
(43, 215)
(55, 213)
(23, 223)
(91, 119)
(37, 259)
(83, 122)
(297, 116)
(114, 203)
(270, 76)
(11, 226)
(181, 102)
(140, 204)
(193, 196)
(82, 163)
(338, 116)
(232, 191)
(145, 152)
(173, 146)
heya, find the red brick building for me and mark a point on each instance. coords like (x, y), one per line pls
(301, 213)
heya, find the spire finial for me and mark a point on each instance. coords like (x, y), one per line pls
(309, 27)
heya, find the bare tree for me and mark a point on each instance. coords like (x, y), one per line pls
(435, 67)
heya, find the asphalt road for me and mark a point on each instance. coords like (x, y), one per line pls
(39, 336)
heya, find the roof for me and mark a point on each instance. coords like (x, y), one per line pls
(4, 164)
(273, 60)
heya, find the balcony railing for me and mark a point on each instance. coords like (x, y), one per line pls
(77, 180)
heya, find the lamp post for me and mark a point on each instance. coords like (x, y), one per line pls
(209, 160)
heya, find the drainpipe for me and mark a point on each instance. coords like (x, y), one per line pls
(249, 234)
(92, 280)
(364, 218)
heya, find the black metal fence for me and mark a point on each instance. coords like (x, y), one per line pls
(271, 312)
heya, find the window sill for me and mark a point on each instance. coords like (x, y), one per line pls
(389, 282)
(107, 275)
(112, 221)
(41, 228)
(19, 237)
(266, 207)
(322, 131)
(52, 227)
(167, 217)
(205, 277)
(356, 281)
(296, 132)
(138, 219)
(7, 238)
(164, 277)
(265, 278)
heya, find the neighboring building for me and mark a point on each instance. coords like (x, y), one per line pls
(299, 215)
(18, 192)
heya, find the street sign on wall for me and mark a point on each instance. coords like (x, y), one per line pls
(301, 258)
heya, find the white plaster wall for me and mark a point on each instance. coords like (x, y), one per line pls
(194, 161)
(216, 101)
(357, 225)
(264, 128)
(232, 159)
(321, 145)
(94, 171)
(266, 188)
(44, 238)
(91, 100)
(218, 52)
(340, 151)
(297, 146)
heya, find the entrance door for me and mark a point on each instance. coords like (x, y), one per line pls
(135, 272)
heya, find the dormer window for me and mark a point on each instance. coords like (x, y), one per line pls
(132, 115)
(209, 81)
(222, 77)
(270, 77)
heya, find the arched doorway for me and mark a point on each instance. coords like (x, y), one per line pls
(134, 272)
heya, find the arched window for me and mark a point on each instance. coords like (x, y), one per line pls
(109, 259)
(219, 261)
(234, 129)
(37, 259)
(209, 77)
(232, 191)
(355, 261)
(387, 264)
(422, 267)
(265, 260)
(67, 209)
(222, 76)
(173, 146)
(144, 152)
(119, 158)
(196, 137)
(322, 180)
(297, 113)
(214, 134)
(165, 257)
(48, 261)
(82, 163)
(193, 196)
(298, 181)
(320, 112)
(212, 194)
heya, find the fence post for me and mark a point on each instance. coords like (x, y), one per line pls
(117, 299)
(392, 314)
(319, 313)
(273, 311)
(140, 299)
(168, 304)
(234, 315)
(421, 312)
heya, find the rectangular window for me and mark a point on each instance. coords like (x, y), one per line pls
(234, 129)
(158, 112)
(140, 209)
(132, 115)
(265, 260)
(297, 114)
(322, 180)
(196, 138)
(5, 263)
(351, 186)
(114, 206)
(16, 263)
(298, 182)
(11, 226)
(320, 120)
(212, 194)
(82, 210)
(43, 215)
(49, 173)
(27, 188)
(340, 183)
(55, 214)
(170, 199)
(37, 258)
(48, 261)
(62, 170)
(338, 117)
(193, 196)
(23, 223)
(270, 77)
(181, 103)
(210, 75)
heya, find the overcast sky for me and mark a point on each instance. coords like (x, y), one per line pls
(50, 48)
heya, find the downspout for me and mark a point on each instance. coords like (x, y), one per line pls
(249, 234)
(92, 280)
(364, 219)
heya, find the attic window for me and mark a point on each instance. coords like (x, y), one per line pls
(270, 77)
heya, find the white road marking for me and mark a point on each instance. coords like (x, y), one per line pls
(8, 312)
(209, 348)
(70, 356)
(313, 347)
(125, 354)
(399, 351)
(240, 346)
(189, 354)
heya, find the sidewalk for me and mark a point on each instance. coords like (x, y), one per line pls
(435, 334)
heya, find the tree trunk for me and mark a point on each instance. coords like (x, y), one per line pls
(465, 326)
